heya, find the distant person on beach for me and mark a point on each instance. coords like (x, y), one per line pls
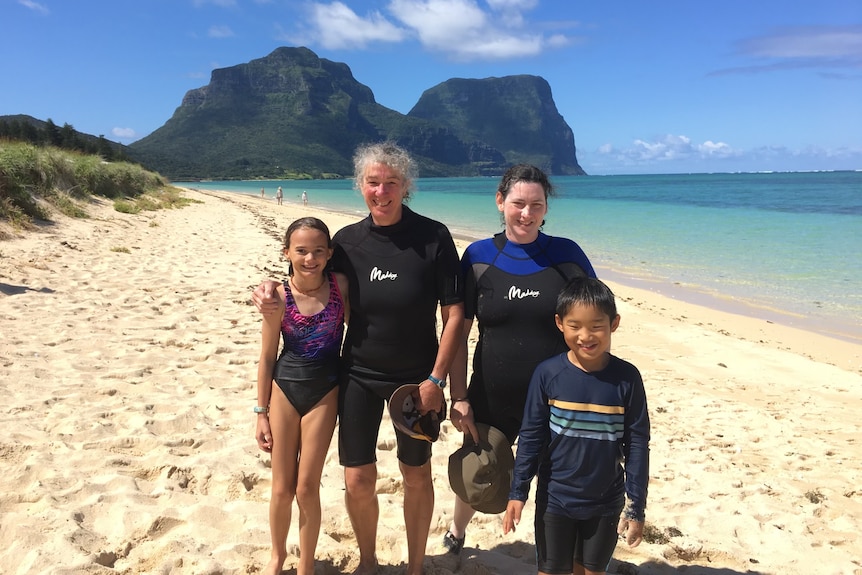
(262, 194)
(295, 420)
(304, 198)
(278, 195)
(511, 284)
(585, 411)
(401, 267)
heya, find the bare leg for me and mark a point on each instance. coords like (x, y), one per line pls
(317, 426)
(362, 507)
(418, 511)
(461, 518)
(285, 424)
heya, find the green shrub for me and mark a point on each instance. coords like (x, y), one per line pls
(126, 207)
(34, 178)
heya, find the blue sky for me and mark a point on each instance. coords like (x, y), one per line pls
(647, 87)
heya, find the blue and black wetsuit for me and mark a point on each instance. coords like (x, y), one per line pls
(511, 289)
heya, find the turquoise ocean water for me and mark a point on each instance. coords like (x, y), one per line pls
(782, 246)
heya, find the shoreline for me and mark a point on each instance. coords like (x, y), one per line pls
(826, 326)
(744, 320)
(129, 371)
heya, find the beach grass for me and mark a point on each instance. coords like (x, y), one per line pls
(37, 181)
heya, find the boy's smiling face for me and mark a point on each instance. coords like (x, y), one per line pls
(587, 331)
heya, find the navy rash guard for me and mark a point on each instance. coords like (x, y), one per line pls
(586, 436)
(511, 289)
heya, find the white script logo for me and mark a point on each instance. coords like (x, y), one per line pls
(377, 274)
(517, 293)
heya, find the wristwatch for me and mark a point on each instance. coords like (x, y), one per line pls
(441, 383)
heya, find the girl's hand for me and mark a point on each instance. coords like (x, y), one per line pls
(631, 530)
(263, 434)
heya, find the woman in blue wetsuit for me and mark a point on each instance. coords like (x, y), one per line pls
(295, 421)
(511, 283)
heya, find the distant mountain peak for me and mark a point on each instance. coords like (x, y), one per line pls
(292, 113)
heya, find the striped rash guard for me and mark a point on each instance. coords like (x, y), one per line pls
(586, 436)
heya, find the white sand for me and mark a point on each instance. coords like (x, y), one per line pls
(127, 368)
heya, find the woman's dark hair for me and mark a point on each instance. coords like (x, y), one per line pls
(525, 173)
(586, 291)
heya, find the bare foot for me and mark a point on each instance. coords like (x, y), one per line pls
(369, 569)
(274, 567)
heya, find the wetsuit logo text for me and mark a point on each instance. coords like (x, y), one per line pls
(517, 293)
(379, 275)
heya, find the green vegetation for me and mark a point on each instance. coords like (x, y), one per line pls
(292, 115)
(24, 128)
(37, 181)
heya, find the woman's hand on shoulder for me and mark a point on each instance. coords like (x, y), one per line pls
(267, 297)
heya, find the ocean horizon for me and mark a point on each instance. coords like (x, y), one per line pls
(781, 246)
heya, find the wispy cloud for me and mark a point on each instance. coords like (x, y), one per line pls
(675, 153)
(222, 3)
(827, 48)
(35, 6)
(461, 29)
(220, 32)
(672, 147)
(123, 133)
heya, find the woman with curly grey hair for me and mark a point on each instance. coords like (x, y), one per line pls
(401, 268)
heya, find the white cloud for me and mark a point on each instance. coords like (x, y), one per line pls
(220, 32)
(335, 26)
(463, 29)
(669, 148)
(123, 133)
(34, 6)
(439, 22)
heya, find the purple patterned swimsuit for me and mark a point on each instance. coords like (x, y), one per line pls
(307, 368)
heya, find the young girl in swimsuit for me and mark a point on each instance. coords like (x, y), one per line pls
(296, 419)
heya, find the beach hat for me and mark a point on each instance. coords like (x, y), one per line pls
(481, 475)
(405, 416)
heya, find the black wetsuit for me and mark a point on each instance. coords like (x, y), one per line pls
(398, 275)
(511, 289)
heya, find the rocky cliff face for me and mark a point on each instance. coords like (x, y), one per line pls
(295, 113)
(515, 114)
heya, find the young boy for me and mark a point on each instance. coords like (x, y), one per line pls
(585, 433)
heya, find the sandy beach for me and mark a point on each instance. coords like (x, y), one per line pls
(128, 365)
